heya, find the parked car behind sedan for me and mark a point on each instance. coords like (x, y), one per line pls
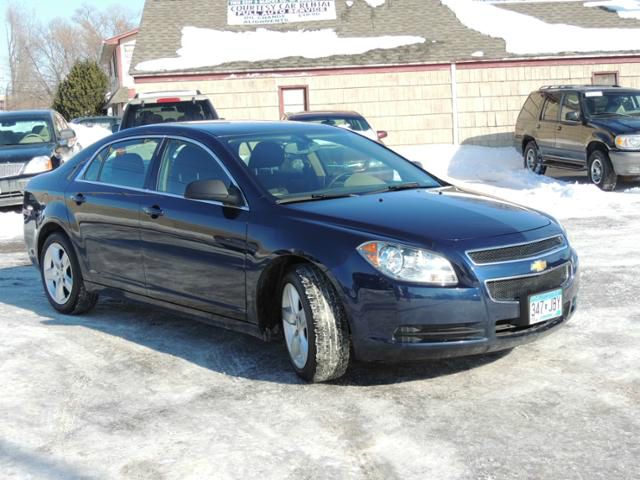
(590, 127)
(167, 107)
(350, 120)
(31, 142)
(302, 231)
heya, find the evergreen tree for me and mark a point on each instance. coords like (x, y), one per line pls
(83, 92)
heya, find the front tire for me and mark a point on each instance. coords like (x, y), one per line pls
(533, 160)
(62, 278)
(314, 325)
(601, 172)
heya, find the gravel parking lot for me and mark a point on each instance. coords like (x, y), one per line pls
(132, 392)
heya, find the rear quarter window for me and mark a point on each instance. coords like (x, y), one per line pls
(531, 108)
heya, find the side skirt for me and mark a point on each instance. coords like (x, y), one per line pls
(205, 317)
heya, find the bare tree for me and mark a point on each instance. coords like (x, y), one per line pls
(40, 56)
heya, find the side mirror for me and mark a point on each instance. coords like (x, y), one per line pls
(214, 190)
(67, 138)
(382, 134)
(115, 128)
(572, 116)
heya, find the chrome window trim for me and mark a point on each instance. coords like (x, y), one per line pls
(524, 259)
(78, 177)
(568, 264)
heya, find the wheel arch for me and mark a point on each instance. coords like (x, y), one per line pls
(525, 140)
(267, 295)
(46, 230)
(596, 145)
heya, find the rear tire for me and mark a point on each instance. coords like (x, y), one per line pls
(62, 278)
(314, 325)
(601, 172)
(532, 159)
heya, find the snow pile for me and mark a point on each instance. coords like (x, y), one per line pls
(500, 172)
(624, 8)
(524, 34)
(88, 135)
(10, 226)
(196, 48)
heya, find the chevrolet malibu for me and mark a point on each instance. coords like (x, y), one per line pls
(301, 231)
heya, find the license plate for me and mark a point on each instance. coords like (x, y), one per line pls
(545, 306)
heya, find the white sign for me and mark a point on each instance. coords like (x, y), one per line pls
(263, 12)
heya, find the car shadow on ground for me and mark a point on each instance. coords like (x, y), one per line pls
(216, 349)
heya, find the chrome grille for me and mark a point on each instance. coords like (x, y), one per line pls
(516, 252)
(10, 169)
(514, 289)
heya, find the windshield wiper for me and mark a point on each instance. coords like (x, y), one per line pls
(313, 197)
(612, 114)
(401, 186)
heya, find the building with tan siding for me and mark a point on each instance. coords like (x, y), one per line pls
(454, 84)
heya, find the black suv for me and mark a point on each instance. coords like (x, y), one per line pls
(596, 128)
(167, 107)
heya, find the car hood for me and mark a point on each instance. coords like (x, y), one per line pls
(618, 125)
(24, 153)
(443, 214)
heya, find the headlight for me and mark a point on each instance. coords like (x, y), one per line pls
(409, 264)
(628, 142)
(38, 165)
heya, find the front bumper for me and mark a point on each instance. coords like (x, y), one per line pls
(625, 163)
(451, 322)
(12, 190)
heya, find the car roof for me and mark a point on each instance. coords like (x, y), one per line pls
(225, 128)
(587, 88)
(325, 113)
(27, 113)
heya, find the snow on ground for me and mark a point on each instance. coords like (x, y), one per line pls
(524, 34)
(500, 172)
(10, 226)
(196, 48)
(624, 8)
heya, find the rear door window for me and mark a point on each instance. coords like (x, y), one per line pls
(123, 164)
(551, 108)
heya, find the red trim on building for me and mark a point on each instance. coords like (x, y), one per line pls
(464, 65)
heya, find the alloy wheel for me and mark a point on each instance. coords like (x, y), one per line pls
(58, 275)
(294, 324)
(596, 171)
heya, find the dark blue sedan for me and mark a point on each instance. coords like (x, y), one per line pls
(309, 232)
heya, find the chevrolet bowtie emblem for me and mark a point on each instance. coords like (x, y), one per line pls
(539, 266)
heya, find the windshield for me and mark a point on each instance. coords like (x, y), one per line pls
(351, 123)
(19, 131)
(614, 103)
(150, 113)
(322, 164)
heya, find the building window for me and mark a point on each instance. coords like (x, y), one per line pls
(293, 99)
(604, 78)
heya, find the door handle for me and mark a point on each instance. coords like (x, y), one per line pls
(538, 126)
(78, 198)
(559, 127)
(154, 211)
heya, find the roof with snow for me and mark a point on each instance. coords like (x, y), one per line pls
(231, 36)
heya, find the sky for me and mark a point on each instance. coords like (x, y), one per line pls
(47, 10)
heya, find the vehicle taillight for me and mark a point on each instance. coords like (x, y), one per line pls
(168, 100)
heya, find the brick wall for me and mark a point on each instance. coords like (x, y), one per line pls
(415, 107)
